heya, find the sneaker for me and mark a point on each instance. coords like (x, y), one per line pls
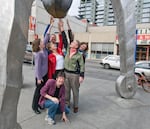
(50, 121)
(46, 118)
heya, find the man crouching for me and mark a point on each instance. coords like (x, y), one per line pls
(53, 98)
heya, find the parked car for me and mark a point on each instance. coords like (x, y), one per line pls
(28, 56)
(143, 67)
(111, 61)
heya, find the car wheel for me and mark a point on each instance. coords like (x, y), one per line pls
(106, 66)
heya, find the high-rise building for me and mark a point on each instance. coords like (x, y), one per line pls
(87, 10)
(143, 11)
(105, 9)
(101, 12)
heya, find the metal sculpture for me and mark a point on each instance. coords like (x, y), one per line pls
(14, 28)
(57, 8)
(124, 11)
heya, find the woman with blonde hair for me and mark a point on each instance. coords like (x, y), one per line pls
(55, 61)
(56, 57)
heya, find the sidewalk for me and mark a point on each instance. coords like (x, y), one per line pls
(99, 108)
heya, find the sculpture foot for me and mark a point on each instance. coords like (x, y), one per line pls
(124, 90)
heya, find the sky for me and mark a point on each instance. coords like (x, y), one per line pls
(73, 11)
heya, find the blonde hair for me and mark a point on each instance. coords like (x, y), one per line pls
(49, 45)
(78, 43)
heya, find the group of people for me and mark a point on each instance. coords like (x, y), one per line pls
(59, 69)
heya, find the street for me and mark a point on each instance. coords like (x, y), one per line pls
(94, 70)
(99, 108)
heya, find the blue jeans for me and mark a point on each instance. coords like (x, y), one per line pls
(54, 108)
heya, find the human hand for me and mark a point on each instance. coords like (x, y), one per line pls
(60, 25)
(39, 81)
(81, 79)
(64, 117)
(55, 100)
(51, 20)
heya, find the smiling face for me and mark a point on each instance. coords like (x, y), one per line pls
(83, 47)
(60, 81)
(74, 44)
(52, 46)
(53, 38)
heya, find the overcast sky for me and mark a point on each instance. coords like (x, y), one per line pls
(73, 11)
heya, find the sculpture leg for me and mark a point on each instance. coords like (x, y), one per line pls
(126, 27)
(14, 27)
(14, 30)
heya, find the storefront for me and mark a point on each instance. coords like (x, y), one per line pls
(142, 46)
(143, 52)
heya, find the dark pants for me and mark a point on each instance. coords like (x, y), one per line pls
(37, 95)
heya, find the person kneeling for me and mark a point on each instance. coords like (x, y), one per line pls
(53, 98)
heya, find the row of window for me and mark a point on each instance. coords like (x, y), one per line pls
(143, 13)
(144, 31)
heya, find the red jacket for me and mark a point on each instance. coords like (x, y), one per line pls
(52, 59)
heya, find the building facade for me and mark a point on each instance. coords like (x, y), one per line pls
(39, 19)
(143, 11)
(104, 12)
(87, 10)
(101, 39)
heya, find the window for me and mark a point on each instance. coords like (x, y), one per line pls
(146, 15)
(146, 10)
(143, 65)
(145, 1)
(101, 50)
(145, 20)
(146, 5)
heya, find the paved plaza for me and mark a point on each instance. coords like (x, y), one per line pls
(99, 107)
